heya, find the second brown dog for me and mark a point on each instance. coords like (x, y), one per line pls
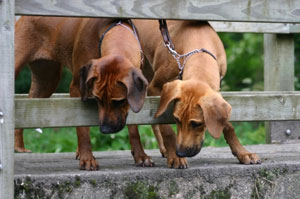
(47, 44)
(197, 103)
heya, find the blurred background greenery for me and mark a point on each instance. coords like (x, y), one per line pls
(244, 73)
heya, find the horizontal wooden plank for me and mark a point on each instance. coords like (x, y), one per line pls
(211, 10)
(63, 111)
(245, 27)
(248, 27)
(55, 95)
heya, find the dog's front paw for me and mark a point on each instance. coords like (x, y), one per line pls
(164, 153)
(248, 158)
(77, 157)
(142, 160)
(145, 161)
(22, 150)
(88, 162)
(177, 163)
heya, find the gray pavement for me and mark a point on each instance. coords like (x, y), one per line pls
(213, 173)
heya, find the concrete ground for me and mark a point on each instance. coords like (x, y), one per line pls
(213, 173)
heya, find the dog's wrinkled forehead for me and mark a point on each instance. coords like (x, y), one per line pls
(107, 84)
(115, 66)
(109, 88)
(187, 107)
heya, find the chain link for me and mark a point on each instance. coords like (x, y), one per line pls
(178, 56)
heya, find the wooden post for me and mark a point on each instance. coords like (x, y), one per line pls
(279, 76)
(7, 98)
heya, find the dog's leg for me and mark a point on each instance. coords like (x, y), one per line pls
(169, 139)
(22, 52)
(45, 77)
(84, 151)
(244, 156)
(168, 136)
(137, 151)
(154, 91)
(25, 46)
(19, 142)
(160, 140)
(86, 159)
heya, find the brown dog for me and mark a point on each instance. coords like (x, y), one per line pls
(197, 104)
(47, 44)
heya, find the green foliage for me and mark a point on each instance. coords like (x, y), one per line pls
(22, 83)
(65, 81)
(297, 61)
(244, 61)
(65, 139)
(249, 133)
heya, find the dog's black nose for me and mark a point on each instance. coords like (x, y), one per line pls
(187, 151)
(110, 127)
(107, 129)
(112, 124)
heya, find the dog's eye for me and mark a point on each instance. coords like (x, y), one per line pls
(195, 124)
(177, 120)
(118, 102)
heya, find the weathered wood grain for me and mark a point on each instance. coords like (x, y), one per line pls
(245, 27)
(7, 98)
(279, 76)
(62, 111)
(214, 10)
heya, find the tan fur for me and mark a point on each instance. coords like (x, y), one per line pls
(197, 104)
(47, 44)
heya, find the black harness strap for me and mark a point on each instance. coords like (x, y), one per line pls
(134, 30)
(102, 37)
(165, 33)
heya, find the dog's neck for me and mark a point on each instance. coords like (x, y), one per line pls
(202, 67)
(125, 45)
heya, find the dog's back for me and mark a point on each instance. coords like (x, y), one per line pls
(189, 35)
(54, 38)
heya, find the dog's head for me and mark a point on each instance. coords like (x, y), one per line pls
(117, 85)
(196, 108)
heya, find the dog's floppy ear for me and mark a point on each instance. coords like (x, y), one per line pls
(136, 85)
(86, 74)
(170, 92)
(216, 113)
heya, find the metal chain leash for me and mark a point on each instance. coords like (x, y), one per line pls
(185, 57)
(169, 44)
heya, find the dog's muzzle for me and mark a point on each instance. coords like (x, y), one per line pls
(108, 127)
(188, 151)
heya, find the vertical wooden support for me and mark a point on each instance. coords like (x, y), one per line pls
(7, 14)
(279, 76)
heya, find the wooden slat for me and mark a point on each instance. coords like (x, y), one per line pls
(213, 10)
(279, 76)
(7, 98)
(246, 106)
(245, 27)
(55, 95)
(248, 27)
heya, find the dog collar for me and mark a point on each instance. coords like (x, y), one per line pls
(169, 44)
(120, 23)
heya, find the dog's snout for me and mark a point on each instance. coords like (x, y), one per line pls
(187, 151)
(108, 127)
